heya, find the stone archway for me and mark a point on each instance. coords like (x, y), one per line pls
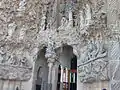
(40, 71)
(67, 72)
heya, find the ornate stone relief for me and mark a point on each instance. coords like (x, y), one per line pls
(12, 66)
(94, 63)
(95, 56)
(90, 20)
(50, 52)
(18, 25)
(14, 73)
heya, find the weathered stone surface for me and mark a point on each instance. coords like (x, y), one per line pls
(89, 26)
(14, 72)
(94, 63)
(18, 24)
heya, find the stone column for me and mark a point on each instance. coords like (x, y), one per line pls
(51, 57)
(50, 65)
(33, 77)
(54, 76)
(61, 78)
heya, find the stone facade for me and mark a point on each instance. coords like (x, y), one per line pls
(90, 27)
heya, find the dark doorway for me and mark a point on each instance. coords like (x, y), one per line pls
(59, 76)
(39, 79)
(73, 74)
(38, 87)
(71, 84)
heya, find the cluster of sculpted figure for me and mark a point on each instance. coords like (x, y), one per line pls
(95, 49)
(13, 60)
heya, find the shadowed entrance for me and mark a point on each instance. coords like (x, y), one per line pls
(67, 71)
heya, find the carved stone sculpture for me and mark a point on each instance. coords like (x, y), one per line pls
(64, 23)
(21, 8)
(2, 54)
(28, 25)
(88, 14)
(43, 21)
(93, 65)
(14, 73)
(11, 29)
(50, 53)
(22, 5)
(22, 32)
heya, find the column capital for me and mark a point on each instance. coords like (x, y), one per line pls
(50, 64)
(50, 54)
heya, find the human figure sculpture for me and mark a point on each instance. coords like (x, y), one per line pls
(22, 33)
(82, 21)
(88, 14)
(43, 22)
(11, 29)
(2, 52)
(92, 50)
(64, 23)
(12, 60)
(22, 5)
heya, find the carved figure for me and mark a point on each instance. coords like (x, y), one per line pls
(22, 5)
(64, 23)
(88, 14)
(11, 29)
(22, 33)
(12, 60)
(82, 21)
(43, 21)
(91, 50)
(93, 63)
(2, 53)
(103, 18)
